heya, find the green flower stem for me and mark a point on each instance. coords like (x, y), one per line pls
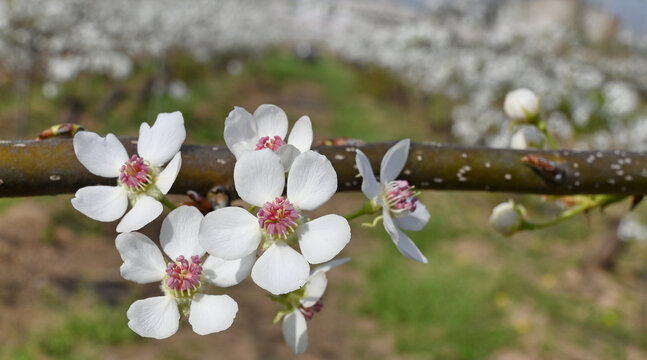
(587, 203)
(168, 203)
(366, 209)
(541, 125)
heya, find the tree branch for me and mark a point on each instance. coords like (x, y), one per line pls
(50, 167)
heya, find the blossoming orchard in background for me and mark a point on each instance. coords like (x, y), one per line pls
(511, 44)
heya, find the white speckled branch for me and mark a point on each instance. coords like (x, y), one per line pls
(50, 167)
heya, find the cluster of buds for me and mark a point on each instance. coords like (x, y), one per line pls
(522, 106)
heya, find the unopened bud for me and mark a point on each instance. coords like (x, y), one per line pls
(507, 218)
(528, 137)
(521, 105)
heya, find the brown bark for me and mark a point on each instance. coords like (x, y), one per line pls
(50, 167)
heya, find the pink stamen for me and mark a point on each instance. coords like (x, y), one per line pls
(308, 313)
(400, 197)
(183, 275)
(272, 143)
(135, 173)
(278, 218)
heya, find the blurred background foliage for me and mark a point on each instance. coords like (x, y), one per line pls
(427, 70)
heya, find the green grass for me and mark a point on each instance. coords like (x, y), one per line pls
(7, 203)
(81, 330)
(71, 218)
(440, 310)
(450, 308)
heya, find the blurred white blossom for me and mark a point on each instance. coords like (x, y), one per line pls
(469, 51)
(631, 229)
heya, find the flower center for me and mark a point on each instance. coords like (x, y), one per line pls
(183, 277)
(136, 173)
(272, 143)
(400, 197)
(308, 313)
(278, 218)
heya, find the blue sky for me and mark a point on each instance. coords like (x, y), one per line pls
(633, 13)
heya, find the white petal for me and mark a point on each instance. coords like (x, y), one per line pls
(230, 233)
(225, 273)
(314, 289)
(101, 203)
(323, 238)
(295, 331)
(316, 285)
(240, 148)
(167, 177)
(240, 131)
(259, 177)
(143, 260)
(414, 221)
(312, 181)
(212, 313)
(370, 187)
(280, 269)
(158, 144)
(287, 153)
(401, 240)
(146, 209)
(394, 160)
(156, 317)
(271, 121)
(301, 134)
(101, 156)
(329, 265)
(179, 233)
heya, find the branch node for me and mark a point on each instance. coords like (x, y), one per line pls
(551, 172)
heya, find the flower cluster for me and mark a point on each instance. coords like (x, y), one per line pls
(280, 178)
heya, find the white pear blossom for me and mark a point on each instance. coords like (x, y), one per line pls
(521, 105)
(277, 222)
(507, 218)
(302, 304)
(631, 229)
(182, 279)
(400, 206)
(141, 180)
(267, 129)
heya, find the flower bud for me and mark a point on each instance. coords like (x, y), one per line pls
(521, 105)
(507, 218)
(528, 137)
